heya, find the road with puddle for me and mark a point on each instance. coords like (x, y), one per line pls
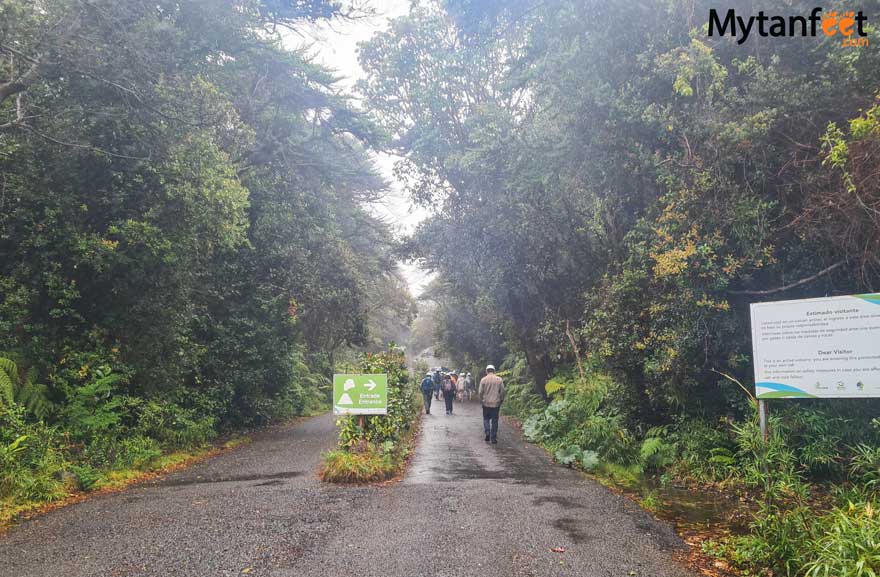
(464, 508)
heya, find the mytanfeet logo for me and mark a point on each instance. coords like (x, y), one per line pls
(848, 25)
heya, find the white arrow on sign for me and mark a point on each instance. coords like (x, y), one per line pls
(370, 385)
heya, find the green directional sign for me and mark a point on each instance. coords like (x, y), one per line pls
(360, 394)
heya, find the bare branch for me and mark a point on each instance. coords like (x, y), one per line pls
(803, 281)
(80, 145)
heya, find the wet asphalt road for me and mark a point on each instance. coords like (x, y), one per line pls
(464, 508)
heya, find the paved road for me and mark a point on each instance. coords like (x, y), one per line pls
(465, 508)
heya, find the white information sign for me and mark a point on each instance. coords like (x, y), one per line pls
(817, 348)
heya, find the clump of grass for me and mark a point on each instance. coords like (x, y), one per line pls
(367, 466)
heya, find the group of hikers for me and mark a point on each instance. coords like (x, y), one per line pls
(453, 385)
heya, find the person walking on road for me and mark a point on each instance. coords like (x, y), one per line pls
(437, 382)
(491, 393)
(448, 392)
(469, 387)
(427, 387)
(459, 388)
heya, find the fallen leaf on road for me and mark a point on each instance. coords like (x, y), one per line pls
(558, 549)
(247, 570)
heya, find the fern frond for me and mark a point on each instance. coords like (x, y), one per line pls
(8, 379)
(34, 396)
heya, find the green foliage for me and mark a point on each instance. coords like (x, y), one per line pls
(87, 477)
(24, 390)
(656, 453)
(847, 543)
(402, 405)
(568, 455)
(371, 465)
(580, 416)
(705, 452)
(378, 450)
(179, 231)
(865, 465)
(173, 426)
(30, 458)
(94, 409)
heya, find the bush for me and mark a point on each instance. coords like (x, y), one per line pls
(848, 544)
(173, 426)
(580, 415)
(402, 404)
(368, 466)
(132, 452)
(377, 451)
(31, 460)
(657, 451)
(704, 452)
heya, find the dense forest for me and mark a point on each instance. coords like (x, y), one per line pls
(609, 168)
(187, 245)
(612, 188)
(185, 240)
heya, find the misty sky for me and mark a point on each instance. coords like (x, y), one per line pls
(335, 45)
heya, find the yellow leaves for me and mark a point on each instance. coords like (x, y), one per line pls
(708, 303)
(83, 371)
(673, 261)
(731, 265)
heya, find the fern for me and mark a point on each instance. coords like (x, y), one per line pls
(34, 396)
(8, 379)
(24, 391)
(650, 447)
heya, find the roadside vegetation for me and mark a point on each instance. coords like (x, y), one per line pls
(378, 450)
(613, 188)
(810, 493)
(184, 239)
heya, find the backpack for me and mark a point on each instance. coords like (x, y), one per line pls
(448, 386)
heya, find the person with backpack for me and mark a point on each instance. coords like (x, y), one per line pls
(449, 391)
(459, 387)
(438, 380)
(491, 393)
(427, 387)
(469, 387)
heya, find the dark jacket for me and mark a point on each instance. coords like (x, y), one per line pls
(427, 385)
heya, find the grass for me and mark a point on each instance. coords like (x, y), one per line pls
(114, 480)
(368, 466)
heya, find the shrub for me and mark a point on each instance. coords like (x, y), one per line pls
(656, 452)
(402, 404)
(30, 458)
(705, 452)
(173, 426)
(377, 450)
(865, 465)
(848, 544)
(368, 466)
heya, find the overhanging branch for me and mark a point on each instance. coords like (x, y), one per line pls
(796, 284)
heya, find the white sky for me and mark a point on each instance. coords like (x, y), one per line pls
(334, 44)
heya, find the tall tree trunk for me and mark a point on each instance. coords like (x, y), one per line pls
(539, 367)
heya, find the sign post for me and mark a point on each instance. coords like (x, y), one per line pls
(357, 394)
(816, 349)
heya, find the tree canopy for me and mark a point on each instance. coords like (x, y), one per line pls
(182, 204)
(609, 172)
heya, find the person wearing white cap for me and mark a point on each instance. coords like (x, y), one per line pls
(491, 393)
